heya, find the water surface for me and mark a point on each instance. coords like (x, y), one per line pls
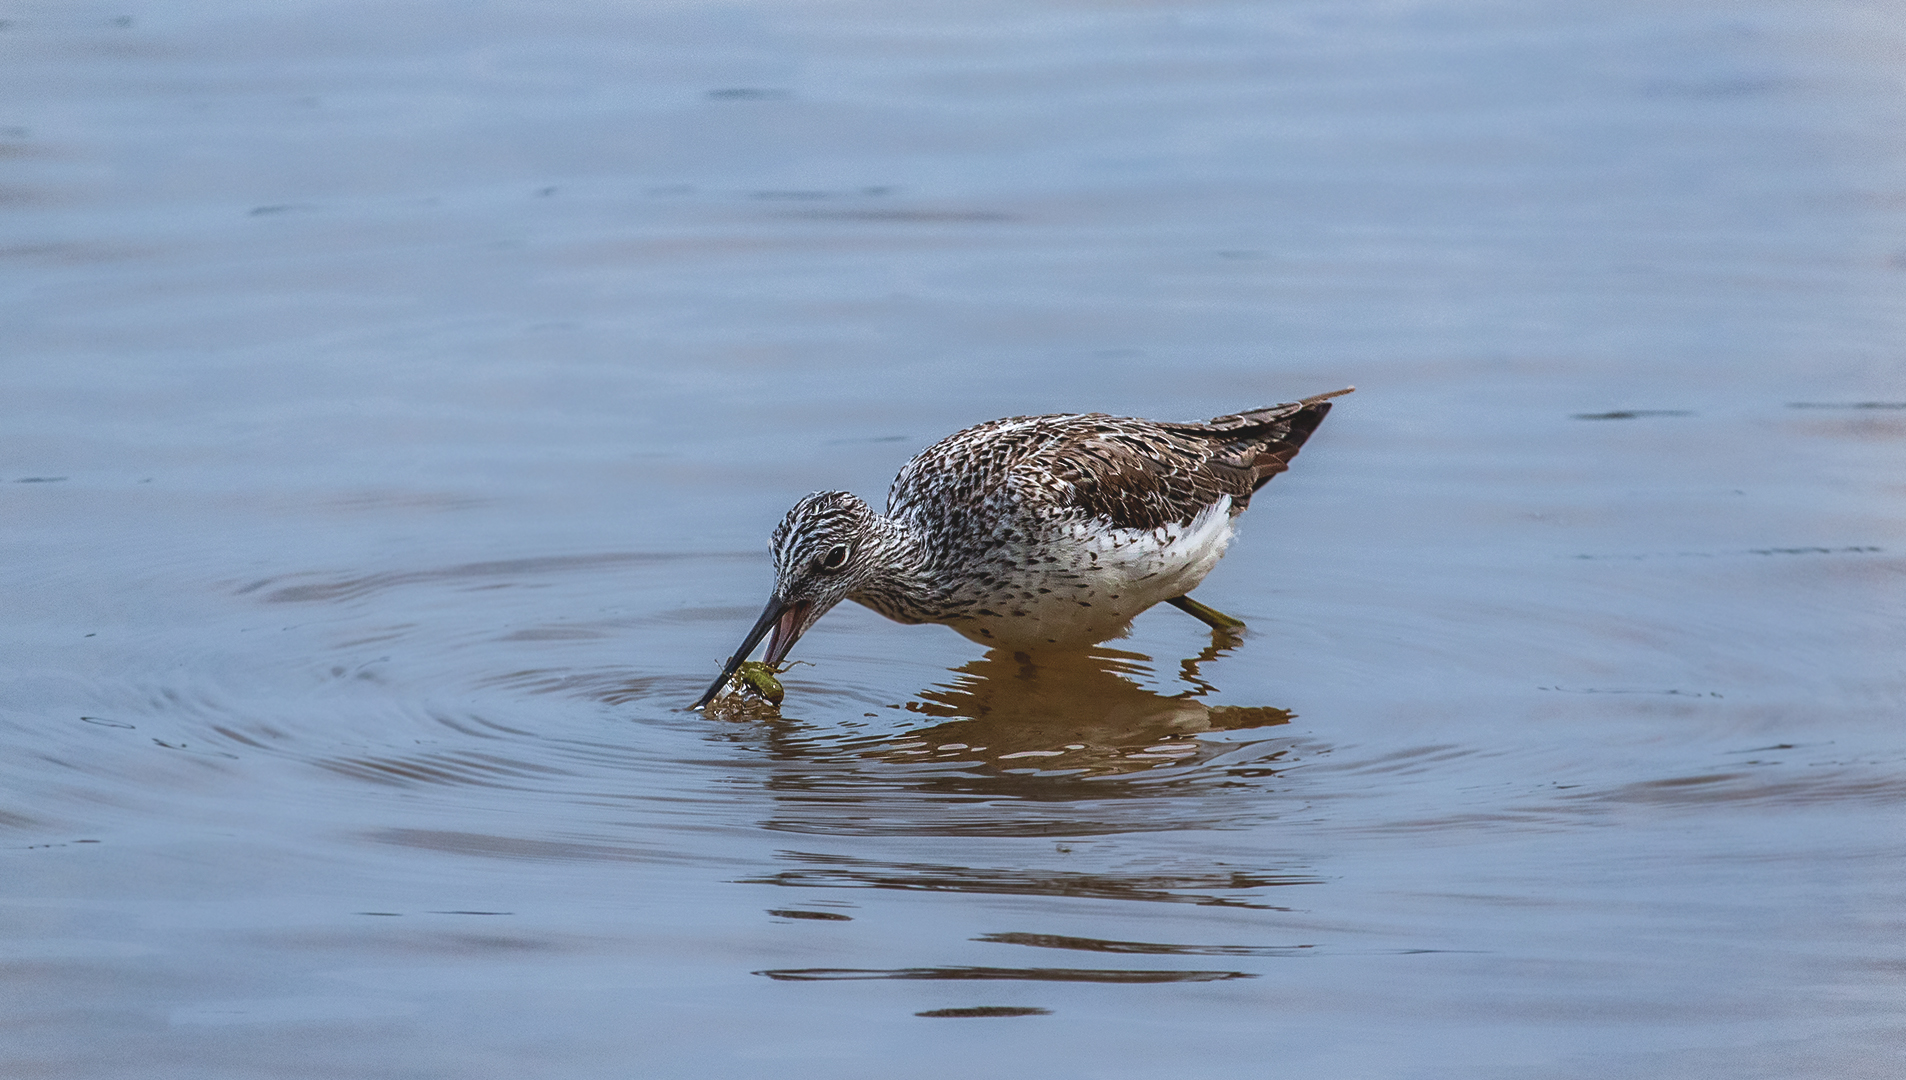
(398, 401)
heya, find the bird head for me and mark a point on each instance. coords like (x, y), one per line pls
(820, 557)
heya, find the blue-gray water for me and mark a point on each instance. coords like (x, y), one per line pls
(396, 400)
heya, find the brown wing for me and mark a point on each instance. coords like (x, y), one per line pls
(1262, 440)
(1134, 473)
(1141, 476)
(1145, 475)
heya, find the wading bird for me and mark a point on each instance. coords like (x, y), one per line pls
(1033, 532)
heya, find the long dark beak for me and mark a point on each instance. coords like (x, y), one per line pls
(780, 616)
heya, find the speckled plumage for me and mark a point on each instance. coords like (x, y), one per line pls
(1034, 531)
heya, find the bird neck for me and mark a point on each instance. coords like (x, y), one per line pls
(902, 584)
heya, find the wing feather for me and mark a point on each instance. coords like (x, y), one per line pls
(1136, 474)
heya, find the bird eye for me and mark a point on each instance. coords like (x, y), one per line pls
(835, 558)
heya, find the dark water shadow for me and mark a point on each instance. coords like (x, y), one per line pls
(1141, 948)
(1629, 414)
(1069, 975)
(986, 1011)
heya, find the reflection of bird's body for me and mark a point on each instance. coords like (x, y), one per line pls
(1034, 532)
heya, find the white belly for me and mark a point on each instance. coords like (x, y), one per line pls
(1103, 577)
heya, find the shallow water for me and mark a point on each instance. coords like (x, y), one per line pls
(398, 400)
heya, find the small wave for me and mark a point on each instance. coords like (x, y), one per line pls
(1214, 889)
(995, 974)
(356, 587)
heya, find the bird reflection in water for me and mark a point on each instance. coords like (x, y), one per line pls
(1024, 746)
(1072, 713)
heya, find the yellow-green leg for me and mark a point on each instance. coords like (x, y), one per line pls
(1212, 617)
(1223, 640)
